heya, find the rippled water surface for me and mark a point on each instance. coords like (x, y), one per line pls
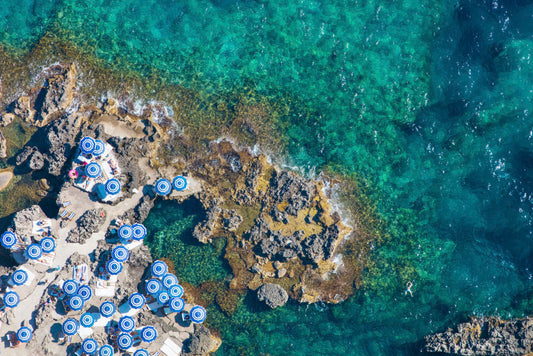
(430, 102)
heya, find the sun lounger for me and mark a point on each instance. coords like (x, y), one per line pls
(65, 204)
(63, 213)
(85, 332)
(170, 348)
(71, 216)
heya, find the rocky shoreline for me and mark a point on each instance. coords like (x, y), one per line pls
(484, 336)
(283, 237)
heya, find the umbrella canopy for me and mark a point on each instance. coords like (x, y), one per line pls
(153, 286)
(163, 298)
(107, 309)
(198, 314)
(106, 350)
(113, 267)
(125, 232)
(70, 327)
(9, 239)
(24, 334)
(148, 334)
(175, 291)
(139, 231)
(48, 244)
(70, 287)
(163, 187)
(112, 186)
(87, 144)
(159, 269)
(34, 251)
(126, 324)
(125, 341)
(120, 253)
(169, 280)
(89, 346)
(141, 352)
(99, 148)
(87, 320)
(176, 304)
(19, 277)
(11, 299)
(85, 292)
(93, 170)
(75, 302)
(136, 301)
(179, 183)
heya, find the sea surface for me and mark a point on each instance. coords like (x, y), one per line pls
(428, 102)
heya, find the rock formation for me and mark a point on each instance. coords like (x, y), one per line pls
(23, 221)
(272, 294)
(86, 225)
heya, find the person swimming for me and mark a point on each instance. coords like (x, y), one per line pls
(408, 288)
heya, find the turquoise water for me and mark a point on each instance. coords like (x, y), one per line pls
(429, 102)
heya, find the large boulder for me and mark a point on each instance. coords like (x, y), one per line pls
(272, 294)
(23, 221)
(86, 225)
(200, 342)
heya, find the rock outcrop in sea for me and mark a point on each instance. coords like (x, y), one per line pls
(484, 336)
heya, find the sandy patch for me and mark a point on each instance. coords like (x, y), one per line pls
(5, 178)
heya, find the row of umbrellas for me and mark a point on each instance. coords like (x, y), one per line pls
(136, 232)
(164, 187)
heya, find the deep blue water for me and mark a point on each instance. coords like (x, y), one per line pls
(430, 102)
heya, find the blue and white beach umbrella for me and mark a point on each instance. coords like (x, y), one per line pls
(99, 148)
(163, 298)
(34, 251)
(163, 187)
(24, 334)
(113, 267)
(48, 245)
(176, 304)
(19, 277)
(85, 292)
(11, 299)
(75, 302)
(136, 301)
(125, 232)
(139, 231)
(87, 320)
(169, 280)
(112, 186)
(126, 324)
(153, 286)
(89, 346)
(70, 287)
(93, 170)
(87, 144)
(197, 314)
(9, 239)
(107, 309)
(70, 327)
(148, 334)
(175, 291)
(120, 253)
(106, 350)
(125, 341)
(159, 268)
(179, 183)
(141, 352)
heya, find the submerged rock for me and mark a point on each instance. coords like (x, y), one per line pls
(272, 294)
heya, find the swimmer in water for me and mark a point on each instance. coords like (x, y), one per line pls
(408, 290)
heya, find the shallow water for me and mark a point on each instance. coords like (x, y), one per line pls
(429, 102)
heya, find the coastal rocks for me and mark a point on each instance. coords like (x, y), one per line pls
(200, 342)
(23, 221)
(22, 107)
(485, 336)
(86, 225)
(321, 246)
(216, 219)
(272, 294)
(292, 189)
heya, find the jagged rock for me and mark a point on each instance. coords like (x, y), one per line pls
(231, 219)
(57, 93)
(23, 108)
(200, 342)
(278, 215)
(111, 106)
(258, 231)
(6, 118)
(3, 146)
(253, 173)
(204, 230)
(281, 273)
(128, 151)
(272, 294)
(290, 188)
(86, 225)
(268, 248)
(23, 221)
(485, 336)
(321, 246)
